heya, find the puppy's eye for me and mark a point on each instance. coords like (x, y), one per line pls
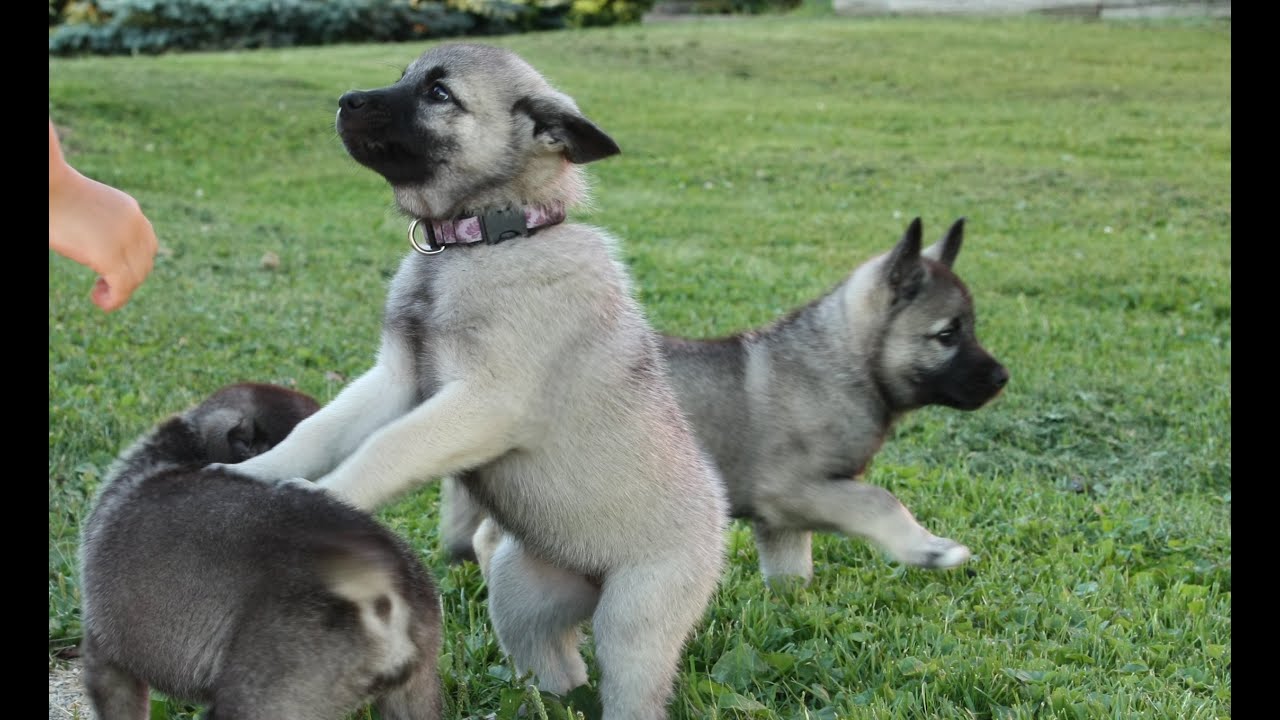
(949, 336)
(438, 93)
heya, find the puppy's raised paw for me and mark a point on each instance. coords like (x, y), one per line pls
(939, 554)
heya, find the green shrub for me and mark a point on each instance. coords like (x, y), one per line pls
(742, 7)
(55, 11)
(116, 27)
(596, 13)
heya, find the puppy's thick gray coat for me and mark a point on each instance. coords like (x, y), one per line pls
(526, 368)
(261, 601)
(794, 412)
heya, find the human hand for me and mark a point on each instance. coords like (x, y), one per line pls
(100, 227)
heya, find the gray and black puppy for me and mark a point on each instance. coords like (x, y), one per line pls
(260, 601)
(514, 355)
(794, 412)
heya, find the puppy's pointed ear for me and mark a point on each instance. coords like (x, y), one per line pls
(559, 125)
(904, 271)
(948, 247)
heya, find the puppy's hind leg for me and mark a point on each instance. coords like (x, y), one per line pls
(644, 618)
(784, 553)
(115, 694)
(459, 518)
(537, 611)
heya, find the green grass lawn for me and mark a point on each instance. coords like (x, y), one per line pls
(763, 159)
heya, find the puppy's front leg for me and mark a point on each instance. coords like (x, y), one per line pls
(318, 443)
(860, 509)
(453, 430)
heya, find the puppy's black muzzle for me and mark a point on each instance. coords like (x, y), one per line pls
(362, 112)
(352, 101)
(379, 130)
(355, 116)
(970, 380)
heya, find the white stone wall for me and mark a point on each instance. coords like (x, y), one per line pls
(1100, 8)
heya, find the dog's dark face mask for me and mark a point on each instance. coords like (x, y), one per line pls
(967, 381)
(380, 130)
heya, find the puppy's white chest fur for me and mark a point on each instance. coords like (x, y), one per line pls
(545, 328)
(510, 314)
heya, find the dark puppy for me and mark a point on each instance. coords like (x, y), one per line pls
(262, 601)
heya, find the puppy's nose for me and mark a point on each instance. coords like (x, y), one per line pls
(999, 376)
(353, 100)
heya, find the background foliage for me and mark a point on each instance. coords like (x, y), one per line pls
(119, 27)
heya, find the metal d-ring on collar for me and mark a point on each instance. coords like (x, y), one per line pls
(428, 235)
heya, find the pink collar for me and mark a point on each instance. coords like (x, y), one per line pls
(492, 227)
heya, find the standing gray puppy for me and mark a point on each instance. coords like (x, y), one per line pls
(514, 356)
(261, 601)
(794, 412)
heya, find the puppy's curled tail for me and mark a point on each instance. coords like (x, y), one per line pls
(365, 569)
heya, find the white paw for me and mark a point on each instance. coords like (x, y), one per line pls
(940, 553)
(955, 555)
